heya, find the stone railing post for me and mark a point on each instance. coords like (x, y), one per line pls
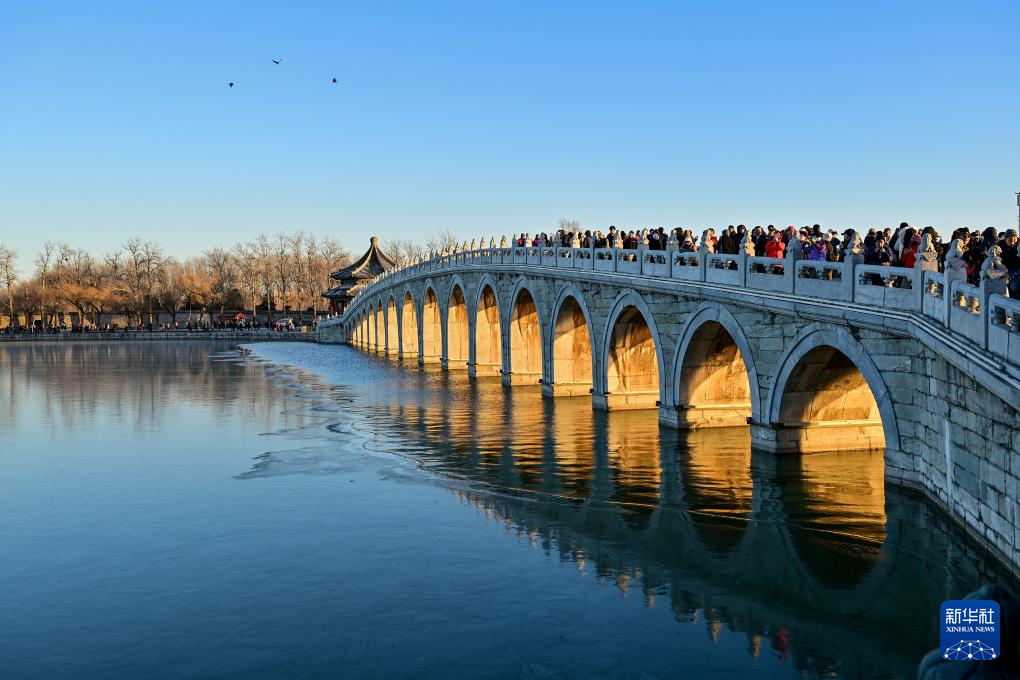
(853, 255)
(955, 270)
(994, 281)
(746, 251)
(927, 261)
(704, 250)
(791, 256)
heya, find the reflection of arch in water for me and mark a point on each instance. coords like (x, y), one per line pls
(572, 369)
(633, 455)
(829, 395)
(631, 356)
(392, 331)
(717, 485)
(488, 345)
(524, 328)
(834, 503)
(408, 327)
(431, 327)
(715, 380)
(457, 336)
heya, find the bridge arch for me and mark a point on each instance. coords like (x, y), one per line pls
(487, 333)
(408, 326)
(431, 325)
(524, 325)
(715, 381)
(828, 394)
(392, 331)
(380, 326)
(631, 352)
(571, 345)
(370, 326)
(457, 326)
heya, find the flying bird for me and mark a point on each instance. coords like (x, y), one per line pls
(334, 81)
(276, 61)
(230, 84)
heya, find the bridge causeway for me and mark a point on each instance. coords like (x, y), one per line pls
(811, 355)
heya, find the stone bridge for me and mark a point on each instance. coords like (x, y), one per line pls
(813, 356)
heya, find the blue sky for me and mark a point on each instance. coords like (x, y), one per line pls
(116, 118)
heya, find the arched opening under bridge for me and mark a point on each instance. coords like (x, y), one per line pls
(525, 341)
(714, 388)
(457, 331)
(571, 351)
(408, 329)
(632, 369)
(380, 329)
(827, 404)
(488, 336)
(392, 340)
(431, 329)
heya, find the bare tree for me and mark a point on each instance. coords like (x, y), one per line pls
(144, 263)
(250, 272)
(27, 300)
(263, 248)
(403, 251)
(171, 292)
(570, 226)
(444, 241)
(77, 279)
(8, 277)
(43, 264)
(283, 270)
(334, 257)
(220, 267)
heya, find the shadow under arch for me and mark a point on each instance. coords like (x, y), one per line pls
(631, 356)
(571, 346)
(524, 331)
(392, 328)
(457, 337)
(380, 326)
(431, 327)
(715, 381)
(829, 395)
(488, 332)
(408, 327)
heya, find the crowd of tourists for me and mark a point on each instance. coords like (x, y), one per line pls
(897, 247)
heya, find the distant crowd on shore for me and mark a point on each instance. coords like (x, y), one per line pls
(886, 247)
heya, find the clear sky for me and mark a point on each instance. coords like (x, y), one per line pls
(116, 119)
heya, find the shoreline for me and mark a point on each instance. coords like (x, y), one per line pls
(151, 336)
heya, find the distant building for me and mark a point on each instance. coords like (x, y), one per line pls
(352, 278)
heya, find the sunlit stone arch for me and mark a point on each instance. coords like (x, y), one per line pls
(700, 328)
(486, 346)
(520, 328)
(392, 326)
(818, 338)
(456, 328)
(430, 318)
(410, 328)
(628, 299)
(565, 376)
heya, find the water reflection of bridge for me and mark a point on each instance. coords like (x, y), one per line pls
(756, 543)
